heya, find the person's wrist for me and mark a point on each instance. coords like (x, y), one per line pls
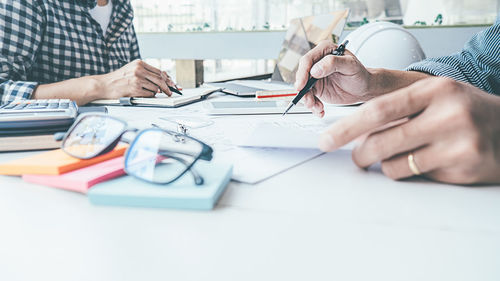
(375, 82)
(95, 87)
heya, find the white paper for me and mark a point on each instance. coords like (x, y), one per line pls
(254, 164)
(297, 133)
(281, 135)
(270, 86)
(250, 165)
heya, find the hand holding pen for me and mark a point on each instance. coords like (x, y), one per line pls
(341, 79)
(134, 79)
(339, 51)
(171, 84)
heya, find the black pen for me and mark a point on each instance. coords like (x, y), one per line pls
(310, 83)
(175, 90)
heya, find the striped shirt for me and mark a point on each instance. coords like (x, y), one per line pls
(46, 41)
(477, 64)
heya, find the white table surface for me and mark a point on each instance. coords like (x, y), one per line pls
(323, 220)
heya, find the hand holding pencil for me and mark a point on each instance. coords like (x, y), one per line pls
(340, 79)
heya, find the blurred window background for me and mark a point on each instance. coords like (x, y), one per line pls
(261, 15)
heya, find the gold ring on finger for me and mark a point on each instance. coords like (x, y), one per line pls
(413, 166)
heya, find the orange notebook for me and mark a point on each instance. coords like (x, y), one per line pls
(54, 162)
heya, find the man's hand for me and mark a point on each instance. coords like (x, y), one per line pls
(452, 129)
(136, 79)
(344, 80)
(341, 79)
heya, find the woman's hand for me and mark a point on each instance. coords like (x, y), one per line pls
(136, 79)
(452, 129)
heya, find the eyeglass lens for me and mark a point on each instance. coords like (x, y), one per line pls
(92, 135)
(160, 156)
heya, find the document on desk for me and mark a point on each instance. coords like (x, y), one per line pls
(286, 134)
(250, 164)
(255, 164)
(273, 144)
(282, 134)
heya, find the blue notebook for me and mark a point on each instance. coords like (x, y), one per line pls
(181, 194)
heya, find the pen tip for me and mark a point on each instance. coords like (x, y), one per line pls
(288, 109)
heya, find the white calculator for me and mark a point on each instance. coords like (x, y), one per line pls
(37, 115)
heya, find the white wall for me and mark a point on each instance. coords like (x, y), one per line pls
(266, 45)
(453, 11)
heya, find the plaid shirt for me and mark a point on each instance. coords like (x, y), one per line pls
(46, 41)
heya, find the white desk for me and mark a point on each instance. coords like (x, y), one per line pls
(323, 220)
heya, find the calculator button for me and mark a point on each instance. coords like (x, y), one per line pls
(20, 106)
(10, 106)
(53, 105)
(64, 105)
(35, 107)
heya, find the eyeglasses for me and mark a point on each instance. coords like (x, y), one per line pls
(155, 155)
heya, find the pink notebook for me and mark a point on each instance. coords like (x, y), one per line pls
(82, 179)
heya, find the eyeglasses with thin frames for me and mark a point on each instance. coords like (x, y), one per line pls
(155, 155)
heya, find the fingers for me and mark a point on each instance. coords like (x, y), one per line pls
(314, 104)
(308, 100)
(145, 93)
(151, 68)
(392, 141)
(347, 65)
(424, 158)
(168, 79)
(142, 92)
(375, 113)
(148, 85)
(158, 80)
(154, 75)
(171, 82)
(309, 59)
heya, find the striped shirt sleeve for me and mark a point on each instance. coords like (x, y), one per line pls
(477, 64)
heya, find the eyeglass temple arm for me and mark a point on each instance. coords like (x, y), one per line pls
(198, 179)
(125, 140)
(206, 153)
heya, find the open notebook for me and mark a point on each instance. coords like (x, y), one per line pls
(162, 100)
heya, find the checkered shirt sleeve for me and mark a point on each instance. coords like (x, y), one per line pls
(477, 64)
(20, 34)
(46, 41)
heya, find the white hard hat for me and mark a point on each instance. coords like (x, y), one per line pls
(384, 45)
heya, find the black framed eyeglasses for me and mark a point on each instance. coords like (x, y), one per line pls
(155, 155)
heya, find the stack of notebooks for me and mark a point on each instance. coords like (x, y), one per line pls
(39, 135)
(104, 181)
(27, 142)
